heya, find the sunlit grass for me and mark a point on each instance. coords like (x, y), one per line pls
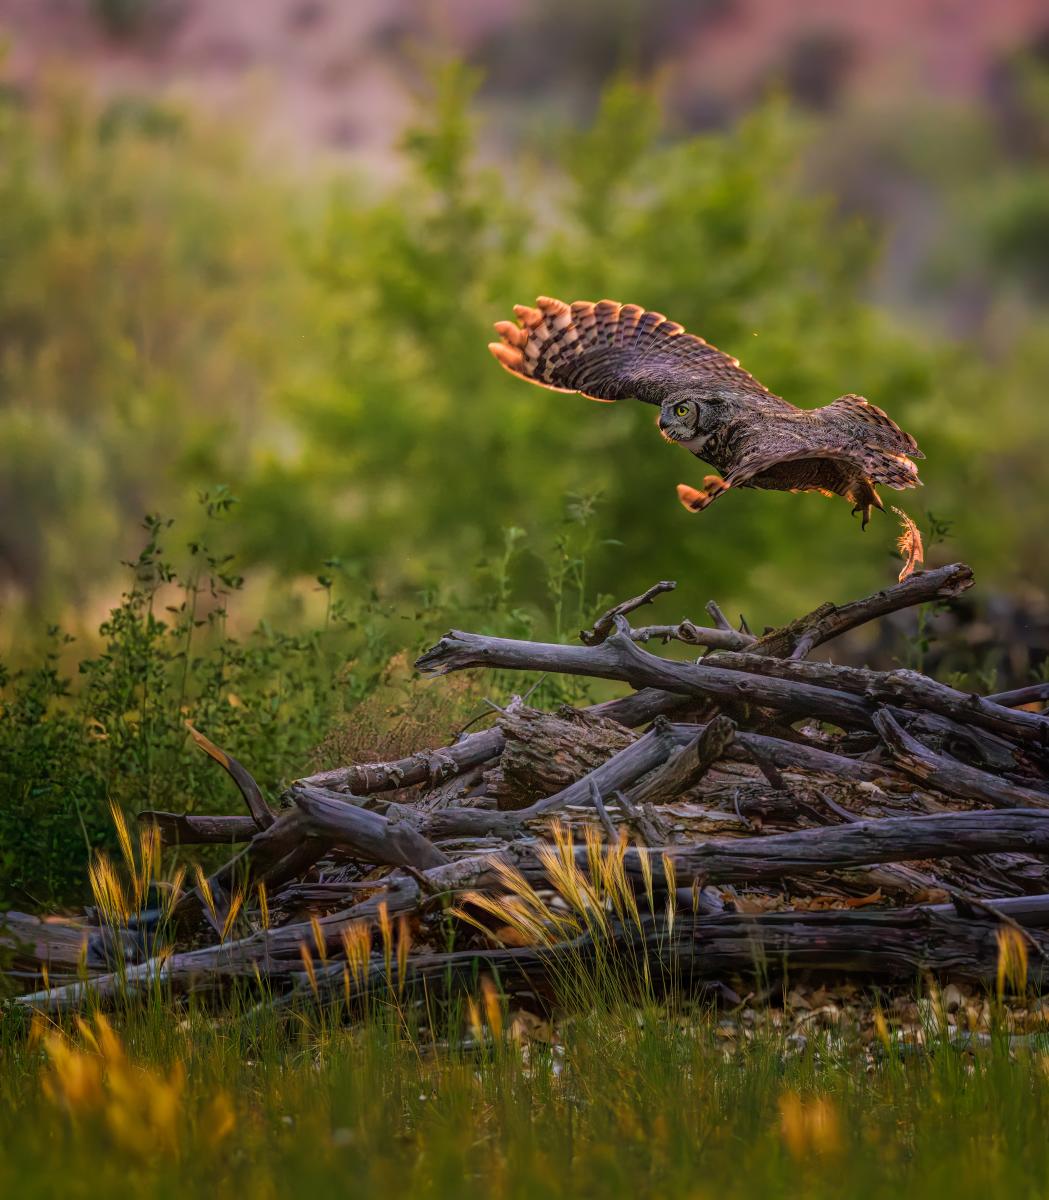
(630, 1100)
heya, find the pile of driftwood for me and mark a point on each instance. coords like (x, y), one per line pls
(771, 814)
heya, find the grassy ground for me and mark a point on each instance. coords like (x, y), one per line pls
(625, 1102)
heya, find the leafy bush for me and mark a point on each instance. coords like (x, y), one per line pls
(119, 735)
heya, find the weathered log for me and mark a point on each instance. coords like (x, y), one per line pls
(895, 944)
(426, 766)
(948, 774)
(906, 688)
(889, 839)
(189, 829)
(371, 837)
(799, 637)
(274, 953)
(685, 768)
(475, 749)
(273, 856)
(56, 945)
(743, 859)
(619, 658)
(545, 752)
(784, 755)
(1035, 693)
(620, 771)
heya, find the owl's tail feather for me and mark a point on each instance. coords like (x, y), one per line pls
(870, 425)
(894, 470)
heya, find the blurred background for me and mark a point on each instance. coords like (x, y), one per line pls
(251, 251)
(262, 243)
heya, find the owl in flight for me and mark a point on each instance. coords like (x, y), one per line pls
(708, 403)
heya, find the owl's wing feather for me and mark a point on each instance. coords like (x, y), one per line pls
(609, 351)
(855, 419)
(879, 466)
(855, 435)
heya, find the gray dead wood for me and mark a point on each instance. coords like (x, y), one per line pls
(948, 774)
(701, 950)
(693, 635)
(889, 839)
(475, 749)
(685, 768)
(1035, 693)
(547, 751)
(605, 623)
(368, 836)
(620, 771)
(59, 946)
(797, 638)
(826, 622)
(274, 953)
(908, 689)
(427, 766)
(189, 829)
(261, 813)
(619, 658)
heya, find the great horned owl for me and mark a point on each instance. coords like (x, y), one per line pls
(708, 403)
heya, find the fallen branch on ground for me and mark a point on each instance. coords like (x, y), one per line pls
(723, 802)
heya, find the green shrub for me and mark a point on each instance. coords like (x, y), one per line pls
(117, 735)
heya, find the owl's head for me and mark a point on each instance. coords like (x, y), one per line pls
(683, 420)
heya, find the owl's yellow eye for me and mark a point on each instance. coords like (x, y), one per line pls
(681, 410)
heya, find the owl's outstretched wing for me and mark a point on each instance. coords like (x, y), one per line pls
(609, 351)
(847, 438)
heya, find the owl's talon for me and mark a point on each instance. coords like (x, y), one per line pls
(865, 509)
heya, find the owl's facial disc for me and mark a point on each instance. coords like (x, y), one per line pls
(679, 420)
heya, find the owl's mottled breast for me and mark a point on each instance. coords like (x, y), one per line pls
(725, 446)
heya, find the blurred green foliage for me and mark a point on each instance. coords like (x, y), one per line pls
(146, 296)
(171, 314)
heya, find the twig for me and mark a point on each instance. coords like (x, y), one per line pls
(718, 617)
(261, 812)
(694, 635)
(602, 812)
(605, 623)
(1032, 694)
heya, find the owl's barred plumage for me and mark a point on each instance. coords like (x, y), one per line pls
(608, 351)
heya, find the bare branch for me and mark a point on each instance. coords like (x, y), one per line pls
(605, 623)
